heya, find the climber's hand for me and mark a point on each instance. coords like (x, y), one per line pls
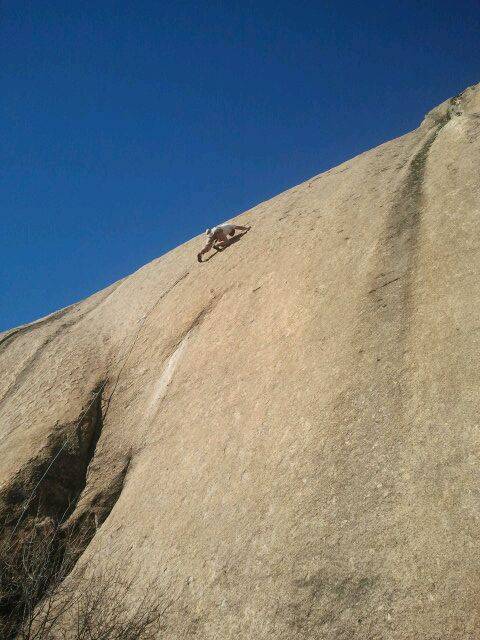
(199, 257)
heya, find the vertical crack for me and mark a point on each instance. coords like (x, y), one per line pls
(398, 254)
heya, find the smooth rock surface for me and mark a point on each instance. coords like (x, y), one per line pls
(287, 435)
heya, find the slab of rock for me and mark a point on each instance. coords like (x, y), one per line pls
(287, 435)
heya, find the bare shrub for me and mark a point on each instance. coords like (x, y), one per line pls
(37, 603)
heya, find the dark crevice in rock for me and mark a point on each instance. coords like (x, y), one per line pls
(45, 493)
(90, 516)
(49, 485)
(41, 508)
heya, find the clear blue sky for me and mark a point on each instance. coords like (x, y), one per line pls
(128, 127)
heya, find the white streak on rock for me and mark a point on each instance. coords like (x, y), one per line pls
(161, 386)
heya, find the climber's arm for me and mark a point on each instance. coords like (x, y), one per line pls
(205, 249)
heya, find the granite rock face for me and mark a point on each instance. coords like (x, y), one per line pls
(286, 436)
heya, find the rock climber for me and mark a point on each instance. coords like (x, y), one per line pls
(218, 237)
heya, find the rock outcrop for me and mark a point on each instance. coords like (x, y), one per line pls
(286, 436)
